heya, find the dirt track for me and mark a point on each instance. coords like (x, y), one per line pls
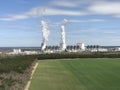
(29, 82)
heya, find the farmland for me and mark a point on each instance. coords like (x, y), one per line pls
(77, 74)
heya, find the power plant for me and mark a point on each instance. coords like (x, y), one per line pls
(63, 46)
(45, 34)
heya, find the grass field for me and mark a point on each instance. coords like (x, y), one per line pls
(77, 74)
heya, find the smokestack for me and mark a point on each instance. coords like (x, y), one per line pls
(63, 44)
(45, 34)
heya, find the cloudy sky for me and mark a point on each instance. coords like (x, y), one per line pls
(90, 21)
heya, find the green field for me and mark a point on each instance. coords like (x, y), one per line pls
(77, 74)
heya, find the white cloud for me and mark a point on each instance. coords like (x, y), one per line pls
(64, 3)
(18, 27)
(110, 32)
(36, 12)
(14, 17)
(72, 3)
(117, 16)
(89, 20)
(31, 13)
(105, 8)
(53, 11)
(93, 20)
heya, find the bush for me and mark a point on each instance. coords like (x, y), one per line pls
(15, 71)
(79, 55)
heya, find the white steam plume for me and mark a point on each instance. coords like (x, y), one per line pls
(45, 33)
(63, 34)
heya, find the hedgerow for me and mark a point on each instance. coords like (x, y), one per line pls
(79, 55)
(15, 71)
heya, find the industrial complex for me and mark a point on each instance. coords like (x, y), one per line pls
(63, 47)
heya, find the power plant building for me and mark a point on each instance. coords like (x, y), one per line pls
(81, 46)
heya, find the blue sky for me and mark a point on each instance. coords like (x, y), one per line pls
(90, 22)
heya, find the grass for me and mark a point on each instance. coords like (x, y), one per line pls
(77, 74)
